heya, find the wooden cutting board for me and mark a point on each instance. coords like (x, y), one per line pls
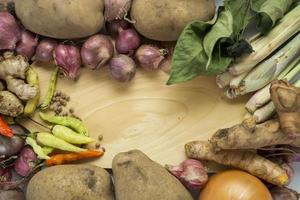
(145, 114)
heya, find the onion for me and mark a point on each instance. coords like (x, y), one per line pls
(26, 161)
(116, 9)
(149, 57)
(284, 193)
(67, 57)
(113, 26)
(10, 32)
(97, 51)
(122, 68)
(235, 185)
(26, 46)
(44, 50)
(5, 175)
(127, 41)
(191, 173)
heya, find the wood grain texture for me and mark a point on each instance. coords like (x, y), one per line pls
(146, 114)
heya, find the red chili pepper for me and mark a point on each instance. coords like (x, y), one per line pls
(5, 129)
(60, 159)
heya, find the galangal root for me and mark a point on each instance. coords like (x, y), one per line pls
(249, 135)
(286, 99)
(242, 159)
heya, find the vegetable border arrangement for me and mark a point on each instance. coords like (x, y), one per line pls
(186, 39)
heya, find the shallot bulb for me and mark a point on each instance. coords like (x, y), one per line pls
(5, 175)
(114, 26)
(44, 50)
(26, 161)
(10, 32)
(149, 57)
(284, 193)
(191, 173)
(122, 68)
(27, 45)
(97, 51)
(67, 57)
(127, 41)
(116, 9)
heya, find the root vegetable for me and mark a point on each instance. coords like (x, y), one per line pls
(122, 68)
(286, 99)
(149, 57)
(10, 105)
(127, 41)
(242, 159)
(15, 66)
(248, 135)
(27, 45)
(284, 193)
(44, 50)
(20, 88)
(10, 146)
(12, 195)
(116, 9)
(25, 162)
(113, 26)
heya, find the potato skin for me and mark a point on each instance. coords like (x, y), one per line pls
(67, 19)
(137, 177)
(70, 182)
(164, 20)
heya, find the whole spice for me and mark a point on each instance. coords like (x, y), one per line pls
(127, 41)
(44, 50)
(5, 130)
(67, 57)
(10, 32)
(49, 140)
(70, 136)
(27, 45)
(122, 68)
(191, 173)
(51, 89)
(60, 159)
(36, 148)
(149, 57)
(33, 80)
(116, 9)
(286, 99)
(97, 51)
(73, 123)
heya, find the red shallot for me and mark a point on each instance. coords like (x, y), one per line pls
(27, 45)
(10, 32)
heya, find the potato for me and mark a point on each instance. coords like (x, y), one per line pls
(70, 182)
(67, 19)
(137, 177)
(164, 20)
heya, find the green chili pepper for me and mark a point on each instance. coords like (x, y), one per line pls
(71, 122)
(33, 80)
(70, 136)
(47, 139)
(51, 89)
(36, 148)
(47, 150)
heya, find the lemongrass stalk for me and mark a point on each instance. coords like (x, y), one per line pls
(224, 79)
(288, 26)
(264, 113)
(263, 96)
(236, 81)
(270, 69)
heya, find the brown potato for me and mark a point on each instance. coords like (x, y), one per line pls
(70, 182)
(137, 177)
(164, 20)
(67, 19)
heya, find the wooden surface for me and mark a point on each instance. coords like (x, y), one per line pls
(146, 114)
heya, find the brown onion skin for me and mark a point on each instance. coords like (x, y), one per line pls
(235, 185)
(27, 45)
(44, 50)
(97, 51)
(10, 32)
(67, 57)
(122, 68)
(127, 41)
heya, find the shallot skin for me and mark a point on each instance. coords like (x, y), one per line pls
(44, 50)
(116, 9)
(67, 57)
(122, 68)
(97, 51)
(27, 45)
(149, 57)
(10, 32)
(127, 41)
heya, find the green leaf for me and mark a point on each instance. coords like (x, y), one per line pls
(269, 12)
(189, 58)
(222, 29)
